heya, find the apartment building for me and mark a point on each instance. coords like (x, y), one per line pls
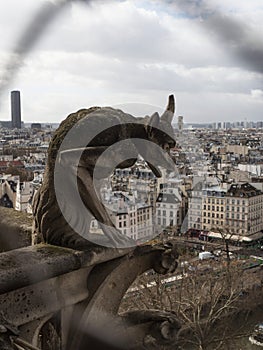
(195, 207)
(139, 180)
(236, 210)
(24, 192)
(244, 210)
(132, 218)
(145, 229)
(168, 210)
(213, 208)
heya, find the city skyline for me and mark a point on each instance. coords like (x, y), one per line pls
(133, 54)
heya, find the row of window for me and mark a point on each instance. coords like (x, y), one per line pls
(197, 226)
(158, 205)
(144, 224)
(133, 221)
(236, 201)
(164, 222)
(232, 227)
(172, 213)
(215, 201)
(214, 222)
(213, 208)
(122, 224)
(213, 215)
(231, 201)
(229, 208)
(241, 224)
(256, 200)
(255, 207)
(194, 219)
(236, 216)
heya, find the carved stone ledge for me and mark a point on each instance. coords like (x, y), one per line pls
(155, 327)
(24, 266)
(107, 284)
(167, 262)
(86, 288)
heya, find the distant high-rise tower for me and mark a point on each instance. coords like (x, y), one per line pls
(16, 109)
(180, 122)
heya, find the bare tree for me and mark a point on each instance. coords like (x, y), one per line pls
(202, 300)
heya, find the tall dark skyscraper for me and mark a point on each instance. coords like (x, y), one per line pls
(16, 109)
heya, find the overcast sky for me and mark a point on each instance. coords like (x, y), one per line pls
(133, 54)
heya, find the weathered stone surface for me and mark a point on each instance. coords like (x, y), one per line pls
(15, 229)
(22, 267)
(106, 127)
(78, 283)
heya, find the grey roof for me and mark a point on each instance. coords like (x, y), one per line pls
(243, 190)
(167, 198)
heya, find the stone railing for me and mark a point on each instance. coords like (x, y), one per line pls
(15, 229)
(58, 298)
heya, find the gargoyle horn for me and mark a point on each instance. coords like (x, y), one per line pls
(154, 120)
(169, 112)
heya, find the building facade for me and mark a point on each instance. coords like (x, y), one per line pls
(195, 208)
(133, 219)
(237, 210)
(168, 211)
(244, 210)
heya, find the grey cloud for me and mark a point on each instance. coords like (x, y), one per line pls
(124, 75)
(218, 39)
(119, 54)
(220, 89)
(147, 40)
(134, 37)
(126, 35)
(35, 29)
(237, 38)
(29, 37)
